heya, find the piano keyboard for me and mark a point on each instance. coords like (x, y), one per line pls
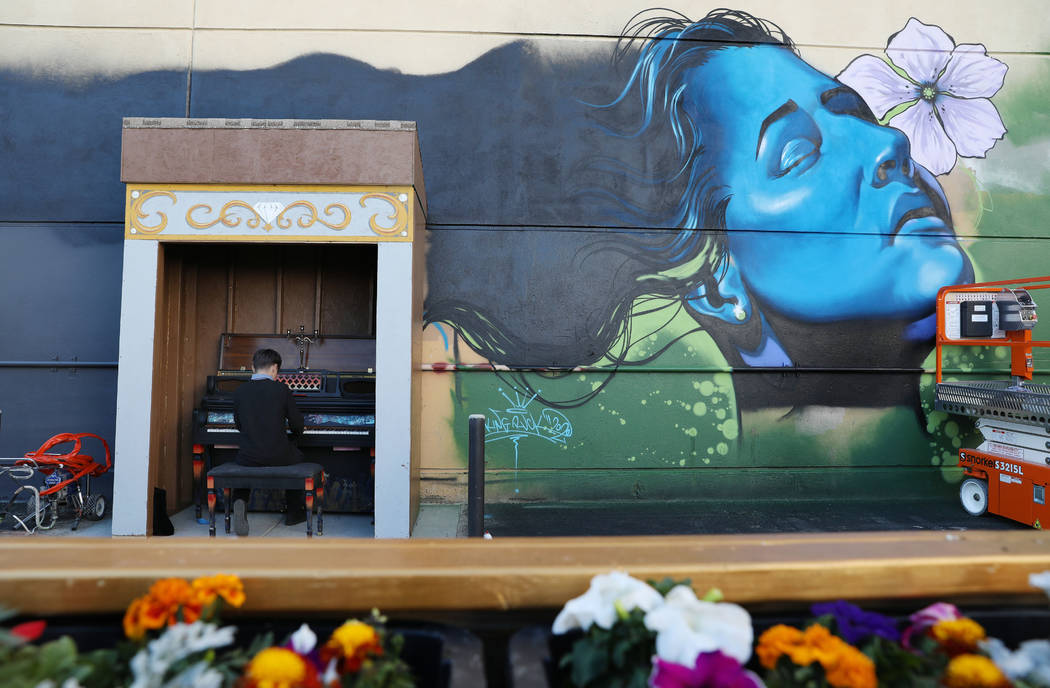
(319, 431)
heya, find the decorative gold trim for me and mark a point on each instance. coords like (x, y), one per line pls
(226, 218)
(202, 215)
(136, 215)
(400, 216)
(308, 220)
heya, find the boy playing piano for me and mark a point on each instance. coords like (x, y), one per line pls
(260, 409)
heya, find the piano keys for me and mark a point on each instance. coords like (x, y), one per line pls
(338, 407)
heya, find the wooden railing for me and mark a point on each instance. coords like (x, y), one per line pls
(64, 575)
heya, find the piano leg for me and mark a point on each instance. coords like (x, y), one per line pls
(211, 506)
(320, 505)
(198, 479)
(309, 507)
(226, 498)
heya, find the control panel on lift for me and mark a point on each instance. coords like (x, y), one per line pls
(988, 315)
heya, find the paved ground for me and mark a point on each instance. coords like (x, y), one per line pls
(608, 518)
(782, 516)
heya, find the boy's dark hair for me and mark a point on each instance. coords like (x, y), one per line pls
(264, 358)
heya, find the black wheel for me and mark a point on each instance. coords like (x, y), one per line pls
(95, 507)
(974, 496)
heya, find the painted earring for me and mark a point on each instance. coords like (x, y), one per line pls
(739, 313)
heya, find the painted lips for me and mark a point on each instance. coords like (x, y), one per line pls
(924, 220)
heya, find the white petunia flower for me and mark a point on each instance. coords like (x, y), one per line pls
(608, 596)
(176, 643)
(199, 675)
(304, 640)
(1031, 661)
(948, 87)
(1041, 581)
(686, 626)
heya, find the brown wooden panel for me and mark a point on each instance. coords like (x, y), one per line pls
(298, 286)
(291, 576)
(328, 353)
(254, 289)
(348, 291)
(210, 308)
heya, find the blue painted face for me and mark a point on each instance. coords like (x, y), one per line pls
(838, 224)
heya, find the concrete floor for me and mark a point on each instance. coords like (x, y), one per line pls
(434, 521)
(604, 518)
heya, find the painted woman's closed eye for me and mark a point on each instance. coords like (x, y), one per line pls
(798, 154)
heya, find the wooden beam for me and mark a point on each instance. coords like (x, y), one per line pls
(71, 575)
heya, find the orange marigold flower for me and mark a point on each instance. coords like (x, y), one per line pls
(844, 665)
(973, 671)
(171, 592)
(132, 626)
(958, 636)
(228, 587)
(352, 643)
(278, 667)
(775, 642)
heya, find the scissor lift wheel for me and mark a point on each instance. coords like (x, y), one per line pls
(974, 495)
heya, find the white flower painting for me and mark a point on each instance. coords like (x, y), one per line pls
(946, 89)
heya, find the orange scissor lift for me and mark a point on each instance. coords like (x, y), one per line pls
(1008, 473)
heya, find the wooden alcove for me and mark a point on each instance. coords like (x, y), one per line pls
(205, 290)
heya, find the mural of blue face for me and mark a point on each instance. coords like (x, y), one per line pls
(842, 224)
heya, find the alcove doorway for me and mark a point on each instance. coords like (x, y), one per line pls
(210, 290)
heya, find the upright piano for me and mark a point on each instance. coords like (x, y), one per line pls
(333, 381)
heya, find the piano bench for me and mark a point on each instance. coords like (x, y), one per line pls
(309, 477)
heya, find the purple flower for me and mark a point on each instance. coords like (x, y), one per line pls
(929, 616)
(856, 625)
(946, 86)
(712, 670)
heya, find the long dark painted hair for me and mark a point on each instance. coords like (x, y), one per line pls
(665, 238)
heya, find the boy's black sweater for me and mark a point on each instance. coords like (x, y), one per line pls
(260, 408)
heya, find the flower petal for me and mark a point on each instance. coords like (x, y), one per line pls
(876, 82)
(921, 50)
(971, 73)
(973, 124)
(930, 146)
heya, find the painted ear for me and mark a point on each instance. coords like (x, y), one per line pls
(726, 299)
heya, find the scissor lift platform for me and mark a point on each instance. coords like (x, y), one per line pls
(1021, 402)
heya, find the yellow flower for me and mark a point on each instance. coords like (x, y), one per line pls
(276, 667)
(973, 671)
(352, 642)
(228, 587)
(957, 636)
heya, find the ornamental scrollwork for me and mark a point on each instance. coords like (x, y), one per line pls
(137, 216)
(226, 217)
(400, 215)
(310, 217)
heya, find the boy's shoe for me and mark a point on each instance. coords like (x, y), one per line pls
(240, 517)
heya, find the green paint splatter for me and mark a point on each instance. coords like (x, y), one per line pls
(699, 408)
(722, 448)
(691, 432)
(707, 388)
(730, 429)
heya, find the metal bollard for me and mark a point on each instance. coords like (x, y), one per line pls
(476, 476)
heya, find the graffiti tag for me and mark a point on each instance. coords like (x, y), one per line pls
(517, 421)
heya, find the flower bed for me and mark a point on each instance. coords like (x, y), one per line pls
(625, 632)
(172, 636)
